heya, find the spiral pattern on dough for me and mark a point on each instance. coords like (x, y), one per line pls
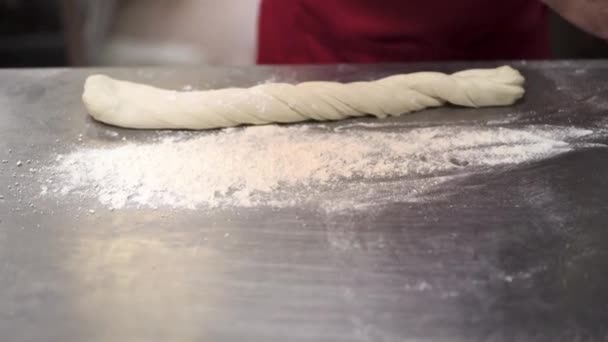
(133, 105)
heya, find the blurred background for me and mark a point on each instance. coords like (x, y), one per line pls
(38, 33)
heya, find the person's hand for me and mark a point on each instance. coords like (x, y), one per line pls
(589, 15)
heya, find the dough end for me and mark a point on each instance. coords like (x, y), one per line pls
(100, 97)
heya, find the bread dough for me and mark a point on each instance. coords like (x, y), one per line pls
(133, 105)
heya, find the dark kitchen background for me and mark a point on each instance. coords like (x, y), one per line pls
(41, 33)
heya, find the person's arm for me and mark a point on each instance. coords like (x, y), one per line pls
(589, 15)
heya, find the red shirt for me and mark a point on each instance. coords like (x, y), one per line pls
(364, 31)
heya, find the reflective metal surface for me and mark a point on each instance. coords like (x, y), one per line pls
(519, 255)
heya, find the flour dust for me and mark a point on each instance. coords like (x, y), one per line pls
(281, 166)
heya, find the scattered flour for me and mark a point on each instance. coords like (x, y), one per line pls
(294, 165)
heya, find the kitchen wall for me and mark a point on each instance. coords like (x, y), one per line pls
(184, 31)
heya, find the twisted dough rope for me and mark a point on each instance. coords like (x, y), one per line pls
(133, 105)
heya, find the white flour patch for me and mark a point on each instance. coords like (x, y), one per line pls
(295, 165)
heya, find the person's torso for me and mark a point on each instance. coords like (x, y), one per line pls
(331, 31)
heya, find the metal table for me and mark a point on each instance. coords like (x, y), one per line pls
(516, 256)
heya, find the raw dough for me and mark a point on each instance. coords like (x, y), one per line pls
(135, 105)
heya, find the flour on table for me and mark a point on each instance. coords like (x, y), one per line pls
(283, 166)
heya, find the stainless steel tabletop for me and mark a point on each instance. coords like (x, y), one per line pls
(518, 255)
